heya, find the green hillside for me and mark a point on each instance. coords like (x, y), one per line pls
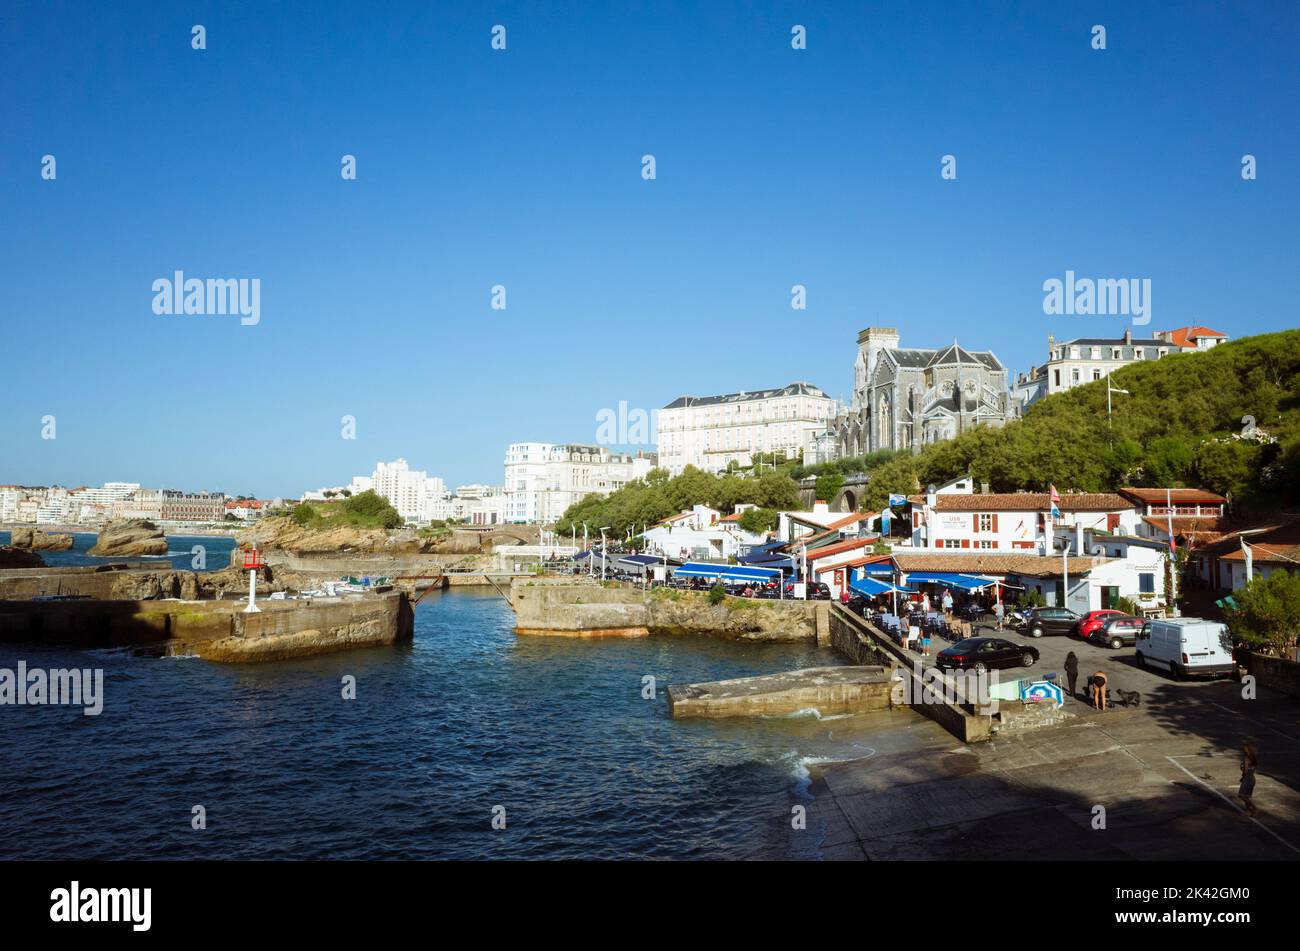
(1182, 425)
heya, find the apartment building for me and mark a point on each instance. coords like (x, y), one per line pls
(543, 479)
(711, 432)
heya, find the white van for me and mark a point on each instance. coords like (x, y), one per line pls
(1187, 646)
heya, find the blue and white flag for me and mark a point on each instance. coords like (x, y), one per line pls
(884, 522)
(895, 499)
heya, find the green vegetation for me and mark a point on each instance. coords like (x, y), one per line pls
(1182, 424)
(829, 485)
(758, 520)
(717, 594)
(645, 501)
(1267, 615)
(364, 510)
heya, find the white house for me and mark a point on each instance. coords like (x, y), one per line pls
(956, 517)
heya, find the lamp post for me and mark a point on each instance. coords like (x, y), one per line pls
(602, 551)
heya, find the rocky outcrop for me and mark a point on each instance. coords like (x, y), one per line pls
(285, 534)
(130, 537)
(36, 540)
(569, 608)
(19, 558)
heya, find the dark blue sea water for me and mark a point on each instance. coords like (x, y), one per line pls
(180, 552)
(467, 717)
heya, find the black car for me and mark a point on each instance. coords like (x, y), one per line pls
(817, 590)
(986, 653)
(1040, 621)
(1117, 632)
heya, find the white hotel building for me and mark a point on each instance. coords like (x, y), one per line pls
(416, 496)
(543, 479)
(709, 432)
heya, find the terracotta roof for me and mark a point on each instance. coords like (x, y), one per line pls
(851, 519)
(733, 517)
(1031, 502)
(1184, 336)
(991, 563)
(841, 547)
(869, 560)
(1274, 554)
(1157, 496)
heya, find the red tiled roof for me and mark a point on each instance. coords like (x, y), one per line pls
(1262, 551)
(733, 517)
(1157, 496)
(1184, 336)
(989, 563)
(840, 548)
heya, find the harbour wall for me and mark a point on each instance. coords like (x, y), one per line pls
(568, 608)
(214, 630)
(860, 642)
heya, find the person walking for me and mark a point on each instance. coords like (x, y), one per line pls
(1072, 672)
(947, 606)
(1246, 792)
(925, 604)
(1099, 690)
(998, 612)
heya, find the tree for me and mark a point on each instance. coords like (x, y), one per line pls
(758, 520)
(1267, 614)
(828, 486)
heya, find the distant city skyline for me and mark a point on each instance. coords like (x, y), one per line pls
(477, 168)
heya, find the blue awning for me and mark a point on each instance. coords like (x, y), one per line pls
(641, 560)
(884, 568)
(702, 569)
(951, 579)
(870, 587)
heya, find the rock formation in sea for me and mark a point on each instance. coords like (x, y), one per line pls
(134, 536)
(36, 540)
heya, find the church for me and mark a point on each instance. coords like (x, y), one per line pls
(905, 398)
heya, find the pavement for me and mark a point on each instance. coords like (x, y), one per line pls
(1154, 782)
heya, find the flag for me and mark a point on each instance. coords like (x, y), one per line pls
(895, 499)
(884, 521)
(1056, 503)
(1250, 560)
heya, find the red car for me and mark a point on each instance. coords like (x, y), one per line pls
(1092, 621)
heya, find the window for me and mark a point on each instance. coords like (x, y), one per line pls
(1096, 353)
(1146, 582)
(987, 544)
(1114, 353)
(985, 523)
(1074, 376)
(1096, 374)
(951, 543)
(1057, 374)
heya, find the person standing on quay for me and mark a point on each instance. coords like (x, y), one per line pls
(1072, 672)
(947, 606)
(1099, 690)
(998, 612)
(1249, 763)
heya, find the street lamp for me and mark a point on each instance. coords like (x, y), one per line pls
(603, 529)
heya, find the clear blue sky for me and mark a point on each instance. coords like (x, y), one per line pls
(476, 167)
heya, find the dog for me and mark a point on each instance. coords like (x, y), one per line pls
(1128, 698)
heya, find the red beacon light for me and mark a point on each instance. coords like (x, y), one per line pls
(253, 559)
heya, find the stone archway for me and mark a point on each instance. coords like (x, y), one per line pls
(846, 501)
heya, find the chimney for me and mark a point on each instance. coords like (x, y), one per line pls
(930, 495)
(984, 488)
(1128, 335)
(820, 507)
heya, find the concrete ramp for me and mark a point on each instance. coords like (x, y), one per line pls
(828, 690)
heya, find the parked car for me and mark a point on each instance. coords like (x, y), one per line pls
(817, 590)
(1119, 631)
(986, 653)
(1093, 621)
(1040, 621)
(1187, 646)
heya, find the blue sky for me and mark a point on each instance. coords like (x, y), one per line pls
(522, 168)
